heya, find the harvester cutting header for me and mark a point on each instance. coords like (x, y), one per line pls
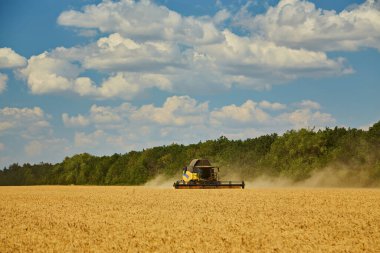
(200, 174)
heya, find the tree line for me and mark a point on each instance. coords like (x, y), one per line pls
(295, 155)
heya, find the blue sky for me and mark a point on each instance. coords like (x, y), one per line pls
(114, 76)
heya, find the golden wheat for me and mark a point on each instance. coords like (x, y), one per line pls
(138, 219)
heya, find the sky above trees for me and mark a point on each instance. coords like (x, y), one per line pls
(112, 76)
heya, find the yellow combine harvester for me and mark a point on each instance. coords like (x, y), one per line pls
(200, 174)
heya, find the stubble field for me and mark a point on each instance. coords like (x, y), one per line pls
(140, 219)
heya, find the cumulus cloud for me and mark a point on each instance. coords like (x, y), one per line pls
(221, 16)
(88, 140)
(135, 57)
(143, 20)
(307, 113)
(46, 149)
(257, 63)
(123, 54)
(59, 70)
(127, 127)
(29, 137)
(74, 121)
(5, 125)
(232, 115)
(146, 46)
(245, 51)
(107, 114)
(129, 85)
(132, 67)
(299, 24)
(176, 111)
(309, 104)
(46, 73)
(183, 119)
(24, 121)
(3, 82)
(180, 119)
(32, 139)
(10, 59)
(272, 106)
(138, 54)
(303, 118)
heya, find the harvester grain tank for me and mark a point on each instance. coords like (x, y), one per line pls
(200, 174)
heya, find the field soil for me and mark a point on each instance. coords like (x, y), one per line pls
(142, 219)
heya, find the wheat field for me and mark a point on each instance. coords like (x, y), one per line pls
(141, 219)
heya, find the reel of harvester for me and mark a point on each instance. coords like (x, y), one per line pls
(200, 174)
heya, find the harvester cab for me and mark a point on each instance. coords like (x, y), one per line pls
(200, 174)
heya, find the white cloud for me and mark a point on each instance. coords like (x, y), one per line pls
(23, 121)
(115, 85)
(149, 47)
(5, 125)
(133, 67)
(103, 142)
(85, 87)
(29, 137)
(250, 118)
(102, 116)
(3, 82)
(22, 112)
(127, 127)
(10, 59)
(41, 149)
(88, 140)
(309, 104)
(59, 70)
(143, 20)
(256, 63)
(106, 114)
(272, 106)
(234, 116)
(119, 53)
(120, 85)
(221, 16)
(74, 121)
(46, 149)
(180, 119)
(303, 118)
(299, 24)
(183, 119)
(46, 73)
(176, 111)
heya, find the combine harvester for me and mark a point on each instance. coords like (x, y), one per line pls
(200, 174)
